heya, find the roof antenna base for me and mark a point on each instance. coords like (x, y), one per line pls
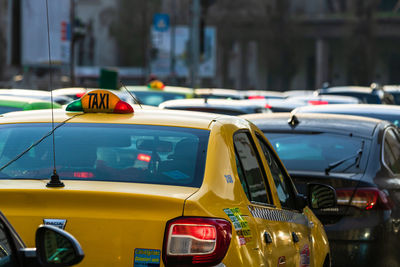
(55, 181)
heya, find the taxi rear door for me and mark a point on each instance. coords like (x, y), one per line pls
(274, 228)
(299, 224)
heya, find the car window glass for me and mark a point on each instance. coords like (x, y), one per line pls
(391, 151)
(105, 152)
(154, 98)
(315, 151)
(242, 178)
(250, 167)
(283, 186)
(6, 254)
(5, 109)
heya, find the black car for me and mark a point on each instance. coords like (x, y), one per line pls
(54, 247)
(360, 158)
(383, 112)
(395, 91)
(367, 95)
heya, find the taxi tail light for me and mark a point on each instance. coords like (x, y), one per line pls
(196, 241)
(364, 198)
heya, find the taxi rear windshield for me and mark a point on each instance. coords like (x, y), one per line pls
(104, 152)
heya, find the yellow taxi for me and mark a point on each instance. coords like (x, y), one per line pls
(148, 187)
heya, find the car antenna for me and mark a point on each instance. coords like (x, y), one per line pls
(54, 179)
(293, 120)
(134, 98)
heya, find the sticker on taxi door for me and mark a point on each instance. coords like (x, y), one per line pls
(146, 257)
(305, 256)
(240, 224)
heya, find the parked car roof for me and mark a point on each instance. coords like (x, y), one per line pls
(318, 122)
(220, 106)
(383, 112)
(218, 93)
(370, 95)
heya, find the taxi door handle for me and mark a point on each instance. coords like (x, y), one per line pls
(267, 238)
(295, 237)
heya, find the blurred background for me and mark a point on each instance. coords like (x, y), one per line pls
(242, 44)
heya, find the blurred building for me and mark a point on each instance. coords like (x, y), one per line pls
(260, 44)
(4, 23)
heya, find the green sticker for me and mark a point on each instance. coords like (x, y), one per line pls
(240, 224)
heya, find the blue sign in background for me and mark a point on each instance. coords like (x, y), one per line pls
(161, 22)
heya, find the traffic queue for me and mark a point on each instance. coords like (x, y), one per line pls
(199, 185)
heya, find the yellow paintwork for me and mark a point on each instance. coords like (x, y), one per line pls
(111, 219)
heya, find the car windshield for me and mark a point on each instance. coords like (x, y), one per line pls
(153, 98)
(316, 151)
(105, 152)
(364, 98)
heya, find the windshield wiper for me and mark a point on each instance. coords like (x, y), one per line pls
(357, 156)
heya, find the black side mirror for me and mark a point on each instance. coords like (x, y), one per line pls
(301, 202)
(56, 247)
(321, 196)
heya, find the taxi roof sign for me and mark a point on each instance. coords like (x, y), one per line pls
(100, 101)
(156, 85)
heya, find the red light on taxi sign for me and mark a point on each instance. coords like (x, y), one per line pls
(100, 101)
(79, 95)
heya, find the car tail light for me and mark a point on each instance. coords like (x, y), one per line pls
(364, 198)
(83, 174)
(256, 97)
(144, 157)
(317, 102)
(268, 106)
(196, 240)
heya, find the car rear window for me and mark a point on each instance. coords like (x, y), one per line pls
(316, 151)
(154, 98)
(104, 152)
(364, 98)
(5, 109)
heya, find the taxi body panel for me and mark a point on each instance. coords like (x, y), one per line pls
(215, 189)
(114, 219)
(111, 219)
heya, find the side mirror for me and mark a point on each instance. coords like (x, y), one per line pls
(301, 202)
(321, 196)
(56, 247)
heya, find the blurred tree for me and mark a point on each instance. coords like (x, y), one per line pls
(362, 52)
(283, 45)
(3, 42)
(131, 30)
